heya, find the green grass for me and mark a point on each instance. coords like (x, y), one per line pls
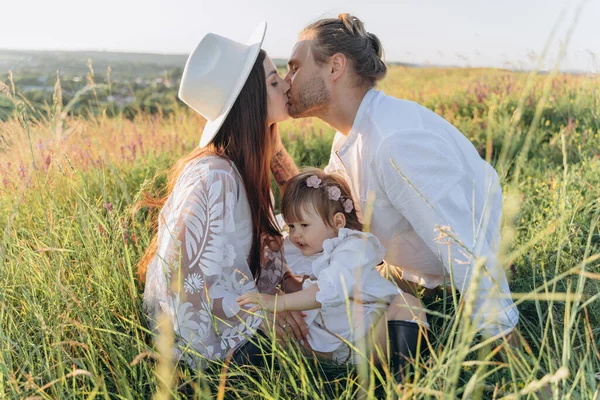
(71, 323)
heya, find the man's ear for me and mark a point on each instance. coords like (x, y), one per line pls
(339, 220)
(337, 63)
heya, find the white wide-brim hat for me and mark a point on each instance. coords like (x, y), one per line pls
(214, 75)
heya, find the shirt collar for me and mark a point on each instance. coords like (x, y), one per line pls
(362, 111)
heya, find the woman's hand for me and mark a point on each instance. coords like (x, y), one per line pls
(260, 300)
(274, 243)
(292, 283)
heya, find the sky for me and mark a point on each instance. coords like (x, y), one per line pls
(476, 33)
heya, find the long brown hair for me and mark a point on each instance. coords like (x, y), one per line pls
(245, 140)
(346, 34)
(300, 199)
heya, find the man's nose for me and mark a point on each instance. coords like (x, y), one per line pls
(288, 78)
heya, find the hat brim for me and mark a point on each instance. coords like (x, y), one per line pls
(255, 42)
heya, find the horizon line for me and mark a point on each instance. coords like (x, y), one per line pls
(509, 67)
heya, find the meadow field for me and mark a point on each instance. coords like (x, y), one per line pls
(71, 318)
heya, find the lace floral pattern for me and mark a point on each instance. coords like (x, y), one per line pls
(201, 266)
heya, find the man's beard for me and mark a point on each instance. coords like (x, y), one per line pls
(312, 100)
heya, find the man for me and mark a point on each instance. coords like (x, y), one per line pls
(436, 205)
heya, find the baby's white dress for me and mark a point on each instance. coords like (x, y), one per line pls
(352, 293)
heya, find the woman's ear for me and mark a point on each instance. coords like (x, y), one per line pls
(339, 221)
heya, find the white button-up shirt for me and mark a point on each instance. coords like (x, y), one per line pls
(436, 205)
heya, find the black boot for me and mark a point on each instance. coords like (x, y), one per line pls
(404, 336)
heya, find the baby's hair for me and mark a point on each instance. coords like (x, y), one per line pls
(314, 191)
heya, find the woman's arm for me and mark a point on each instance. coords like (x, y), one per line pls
(282, 164)
(283, 167)
(305, 299)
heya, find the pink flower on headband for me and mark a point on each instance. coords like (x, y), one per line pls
(348, 205)
(334, 193)
(313, 181)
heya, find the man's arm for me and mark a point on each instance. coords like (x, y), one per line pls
(421, 179)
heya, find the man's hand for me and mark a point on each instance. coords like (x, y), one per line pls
(286, 322)
(515, 339)
(290, 323)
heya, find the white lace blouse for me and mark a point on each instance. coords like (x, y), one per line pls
(200, 268)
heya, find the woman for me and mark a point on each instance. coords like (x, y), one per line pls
(210, 245)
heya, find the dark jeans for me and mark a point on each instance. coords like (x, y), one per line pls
(439, 299)
(253, 351)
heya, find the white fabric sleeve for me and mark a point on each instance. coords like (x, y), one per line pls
(207, 267)
(338, 281)
(422, 180)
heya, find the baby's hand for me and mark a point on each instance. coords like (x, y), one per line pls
(260, 300)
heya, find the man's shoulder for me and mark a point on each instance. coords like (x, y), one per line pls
(389, 114)
(382, 99)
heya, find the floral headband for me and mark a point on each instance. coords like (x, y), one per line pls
(334, 193)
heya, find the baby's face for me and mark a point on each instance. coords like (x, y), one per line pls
(310, 232)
